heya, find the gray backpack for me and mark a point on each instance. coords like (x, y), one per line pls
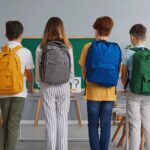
(55, 63)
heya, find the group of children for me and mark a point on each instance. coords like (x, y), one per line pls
(56, 97)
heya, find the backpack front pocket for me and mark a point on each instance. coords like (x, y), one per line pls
(146, 83)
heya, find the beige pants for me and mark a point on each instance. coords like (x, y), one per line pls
(138, 109)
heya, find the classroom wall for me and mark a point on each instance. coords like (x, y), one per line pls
(78, 17)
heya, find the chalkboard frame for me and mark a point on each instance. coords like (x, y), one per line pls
(78, 43)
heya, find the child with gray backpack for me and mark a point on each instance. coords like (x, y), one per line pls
(136, 79)
(54, 69)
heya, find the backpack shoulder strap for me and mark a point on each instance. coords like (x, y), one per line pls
(5, 48)
(108, 43)
(56, 43)
(18, 61)
(15, 49)
(146, 49)
(137, 49)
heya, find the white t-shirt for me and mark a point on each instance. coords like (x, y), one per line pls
(26, 63)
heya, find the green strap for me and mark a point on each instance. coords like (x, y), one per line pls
(137, 49)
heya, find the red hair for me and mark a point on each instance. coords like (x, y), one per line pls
(103, 25)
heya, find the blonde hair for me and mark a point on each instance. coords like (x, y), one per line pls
(54, 31)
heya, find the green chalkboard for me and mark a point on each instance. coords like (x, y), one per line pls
(77, 44)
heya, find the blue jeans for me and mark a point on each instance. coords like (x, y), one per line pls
(99, 112)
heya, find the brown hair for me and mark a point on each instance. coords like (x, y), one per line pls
(13, 29)
(103, 25)
(54, 31)
(138, 31)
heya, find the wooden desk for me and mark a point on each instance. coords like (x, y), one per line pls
(72, 98)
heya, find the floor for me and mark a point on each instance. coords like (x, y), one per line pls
(71, 146)
(32, 138)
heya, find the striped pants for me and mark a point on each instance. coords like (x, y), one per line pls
(56, 103)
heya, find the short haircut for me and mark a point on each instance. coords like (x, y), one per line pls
(138, 31)
(103, 25)
(13, 29)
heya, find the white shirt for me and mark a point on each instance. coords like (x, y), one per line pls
(26, 63)
(38, 59)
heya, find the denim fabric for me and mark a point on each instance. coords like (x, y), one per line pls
(99, 113)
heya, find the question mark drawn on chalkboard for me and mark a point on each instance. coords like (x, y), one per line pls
(77, 82)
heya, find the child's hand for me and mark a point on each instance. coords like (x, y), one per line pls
(125, 91)
(31, 90)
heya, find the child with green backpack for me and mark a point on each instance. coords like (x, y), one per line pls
(136, 80)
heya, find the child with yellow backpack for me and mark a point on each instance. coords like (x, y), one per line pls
(15, 61)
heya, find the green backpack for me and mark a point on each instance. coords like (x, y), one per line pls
(140, 81)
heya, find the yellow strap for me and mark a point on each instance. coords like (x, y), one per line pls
(15, 49)
(5, 48)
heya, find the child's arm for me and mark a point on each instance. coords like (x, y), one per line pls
(83, 72)
(124, 70)
(83, 58)
(38, 59)
(28, 70)
(72, 65)
(29, 75)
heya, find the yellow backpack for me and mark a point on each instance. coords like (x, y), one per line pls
(11, 78)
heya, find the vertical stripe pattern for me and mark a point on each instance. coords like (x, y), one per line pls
(56, 103)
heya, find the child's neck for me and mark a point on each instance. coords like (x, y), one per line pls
(139, 43)
(105, 38)
(17, 40)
